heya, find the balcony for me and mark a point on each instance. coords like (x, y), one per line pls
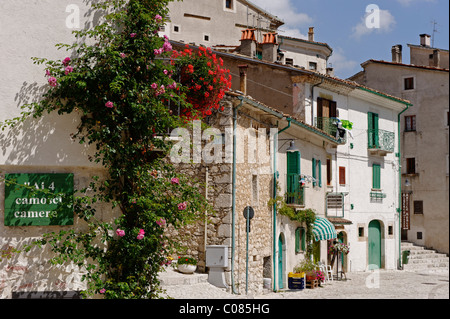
(329, 126)
(295, 193)
(380, 142)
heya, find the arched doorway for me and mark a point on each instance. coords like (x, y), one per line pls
(374, 249)
(281, 261)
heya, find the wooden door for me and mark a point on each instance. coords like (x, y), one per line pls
(374, 245)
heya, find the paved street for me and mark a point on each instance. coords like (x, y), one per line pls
(363, 285)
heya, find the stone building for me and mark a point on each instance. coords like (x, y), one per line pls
(424, 136)
(363, 177)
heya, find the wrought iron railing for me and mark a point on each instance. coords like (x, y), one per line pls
(295, 193)
(326, 124)
(381, 140)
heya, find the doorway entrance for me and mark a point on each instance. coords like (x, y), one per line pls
(374, 245)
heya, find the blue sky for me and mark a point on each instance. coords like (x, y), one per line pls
(342, 25)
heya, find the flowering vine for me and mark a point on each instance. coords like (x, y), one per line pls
(120, 88)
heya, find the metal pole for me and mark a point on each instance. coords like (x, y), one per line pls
(246, 261)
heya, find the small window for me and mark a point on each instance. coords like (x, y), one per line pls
(410, 165)
(342, 175)
(410, 123)
(300, 239)
(360, 231)
(255, 190)
(289, 61)
(409, 83)
(176, 28)
(390, 230)
(418, 207)
(329, 171)
(419, 235)
(313, 66)
(206, 37)
(229, 4)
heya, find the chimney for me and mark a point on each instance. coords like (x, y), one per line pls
(397, 53)
(330, 71)
(311, 34)
(425, 40)
(270, 47)
(243, 78)
(248, 43)
(435, 59)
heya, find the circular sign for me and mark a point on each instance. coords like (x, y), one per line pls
(249, 212)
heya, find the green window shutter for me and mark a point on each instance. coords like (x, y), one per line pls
(372, 130)
(293, 162)
(297, 240)
(376, 176)
(320, 173)
(303, 239)
(314, 175)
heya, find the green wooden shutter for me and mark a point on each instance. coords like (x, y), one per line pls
(303, 239)
(297, 240)
(293, 162)
(376, 176)
(372, 130)
(314, 171)
(320, 173)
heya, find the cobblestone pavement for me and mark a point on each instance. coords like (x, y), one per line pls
(381, 284)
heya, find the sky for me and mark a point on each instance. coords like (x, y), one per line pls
(359, 30)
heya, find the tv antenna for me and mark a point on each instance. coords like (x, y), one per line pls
(434, 31)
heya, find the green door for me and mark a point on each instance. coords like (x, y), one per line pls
(374, 245)
(280, 263)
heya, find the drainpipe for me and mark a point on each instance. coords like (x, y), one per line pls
(275, 151)
(400, 190)
(233, 214)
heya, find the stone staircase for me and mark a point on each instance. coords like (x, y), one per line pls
(172, 277)
(422, 259)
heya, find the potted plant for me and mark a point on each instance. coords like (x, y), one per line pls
(308, 267)
(186, 265)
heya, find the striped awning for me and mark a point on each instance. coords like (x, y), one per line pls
(323, 229)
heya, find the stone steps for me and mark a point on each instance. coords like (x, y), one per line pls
(172, 277)
(423, 259)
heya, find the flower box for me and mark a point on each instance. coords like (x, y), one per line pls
(186, 268)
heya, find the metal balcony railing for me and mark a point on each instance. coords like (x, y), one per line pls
(329, 126)
(381, 140)
(295, 193)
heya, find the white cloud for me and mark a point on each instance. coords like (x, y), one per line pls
(341, 63)
(367, 25)
(407, 3)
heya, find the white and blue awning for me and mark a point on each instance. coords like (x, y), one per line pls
(323, 229)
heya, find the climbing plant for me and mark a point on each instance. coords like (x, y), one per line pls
(121, 83)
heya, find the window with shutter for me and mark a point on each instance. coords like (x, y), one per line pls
(319, 164)
(293, 162)
(376, 176)
(314, 174)
(341, 175)
(372, 130)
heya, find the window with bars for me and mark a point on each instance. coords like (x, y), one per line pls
(418, 207)
(410, 123)
(410, 165)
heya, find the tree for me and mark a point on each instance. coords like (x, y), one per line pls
(123, 86)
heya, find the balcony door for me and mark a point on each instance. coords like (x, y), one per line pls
(326, 108)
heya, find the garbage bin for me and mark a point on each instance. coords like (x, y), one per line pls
(405, 258)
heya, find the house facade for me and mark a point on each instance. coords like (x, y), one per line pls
(424, 137)
(363, 176)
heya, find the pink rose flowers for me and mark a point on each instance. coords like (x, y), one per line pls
(109, 104)
(182, 206)
(120, 232)
(175, 180)
(68, 70)
(132, 35)
(141, 234)
(52, 81)
(161, 222)
(158, 18)
(66, 61)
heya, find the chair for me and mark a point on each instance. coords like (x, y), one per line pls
(326, 269)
